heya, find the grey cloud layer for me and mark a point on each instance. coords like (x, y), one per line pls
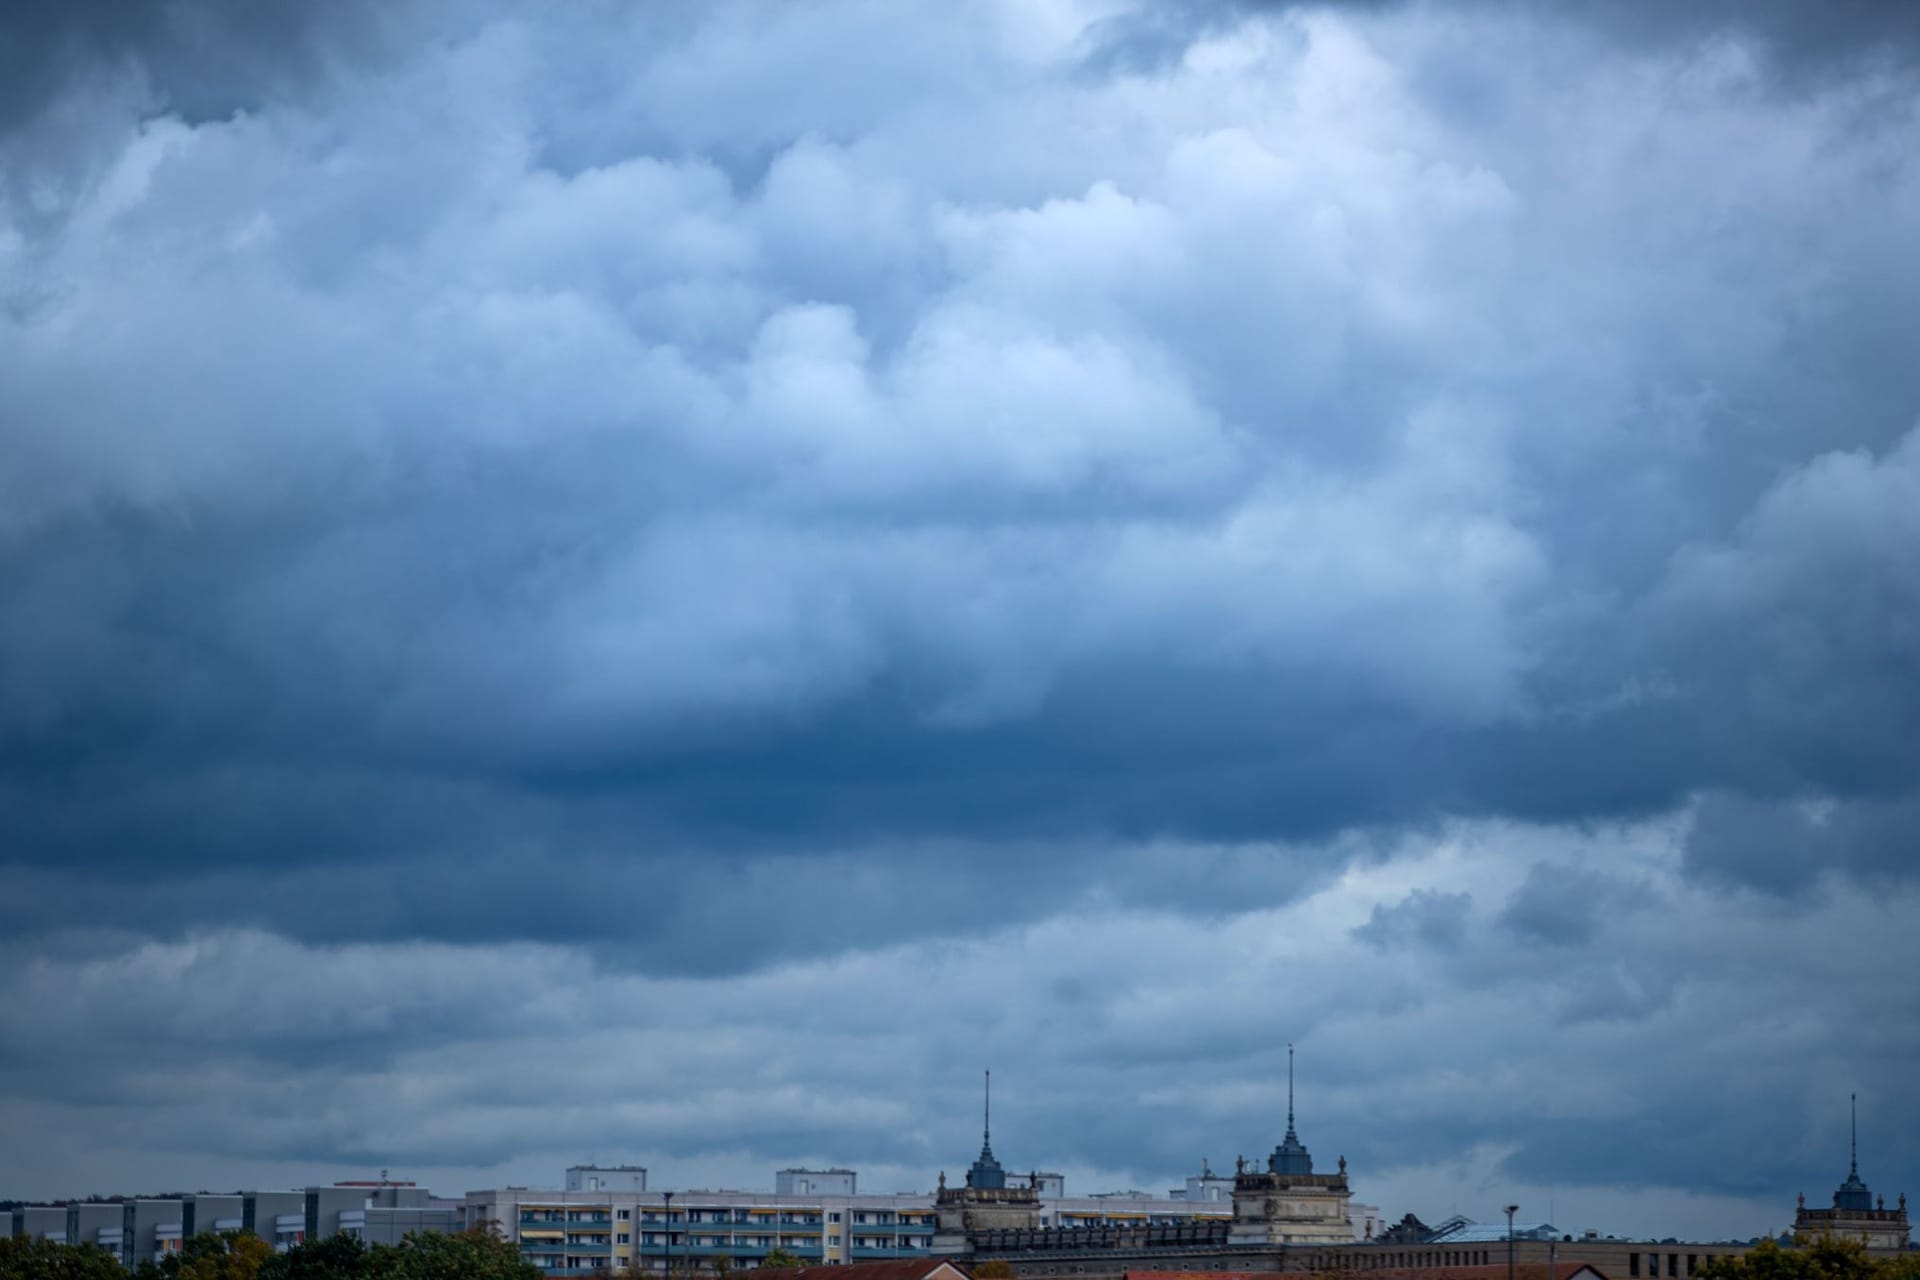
(1582, 1067)
(713, 492)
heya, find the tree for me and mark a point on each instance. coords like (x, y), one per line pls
(22, 1258)
(779, 1258)
(223, 1255)
(1825, 1257)
(995, 1269)
(474, 1254)
(338, 1257)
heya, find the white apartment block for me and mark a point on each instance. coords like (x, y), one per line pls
(607, 1218)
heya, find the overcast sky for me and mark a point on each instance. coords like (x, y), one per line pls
(665, 583)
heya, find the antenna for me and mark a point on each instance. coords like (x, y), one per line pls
(1289, 1086)
(986, 1127)
(1853, 1139)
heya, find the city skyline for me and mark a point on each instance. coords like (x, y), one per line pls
(660, 1181)
(670, 582)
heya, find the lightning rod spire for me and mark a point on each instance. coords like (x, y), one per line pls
(1289, 1086)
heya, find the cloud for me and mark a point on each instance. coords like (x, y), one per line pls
(1424, 917)
(502, 1063)
(658, 527)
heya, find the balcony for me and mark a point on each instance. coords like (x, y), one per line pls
(734, 1249)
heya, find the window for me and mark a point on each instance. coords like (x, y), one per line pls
(623, 1238)
(624, 1213)
(1633, 1264)
(833, 1217)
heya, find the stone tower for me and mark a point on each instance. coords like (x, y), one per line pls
(1289, 1203)
(1854, 1215)
(986, 1202)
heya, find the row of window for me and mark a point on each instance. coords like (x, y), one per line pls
(653, 1217)
(1693, 1260)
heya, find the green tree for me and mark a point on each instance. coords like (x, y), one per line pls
(1825, 1257)
(224, 1255)
(779, 1258)
(475, 1254)
(997, 1269)
(22, 1258)
(339, 1257)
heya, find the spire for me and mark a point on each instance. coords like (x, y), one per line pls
(986, 1174)
(1289, 1088)
(1291, 1155)
(1853, 1193)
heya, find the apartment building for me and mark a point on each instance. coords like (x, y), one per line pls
(135, 1230)
(609, 1218)
(816, 1215)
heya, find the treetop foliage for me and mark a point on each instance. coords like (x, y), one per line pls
(241, 1255)
(1824, 1258)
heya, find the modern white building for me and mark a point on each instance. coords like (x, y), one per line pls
(578, 1231)
(137, 1230)
(608, 1218)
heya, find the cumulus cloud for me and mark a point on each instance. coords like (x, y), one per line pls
(633, 513)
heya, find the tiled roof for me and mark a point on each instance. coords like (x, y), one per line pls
(1522, 1271)
(902, 1269)
(1493, 1271)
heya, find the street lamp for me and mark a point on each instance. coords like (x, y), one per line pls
(1511, 1210)
(666, 1222)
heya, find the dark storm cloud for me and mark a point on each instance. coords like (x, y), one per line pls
(1830, 37)
(1803, 40)
(1789, 847)
(590, 539)
(1561, 905)
(1424, 917)
(204, 59)
(670, 579)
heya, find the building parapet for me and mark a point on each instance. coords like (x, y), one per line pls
(1199, 1234)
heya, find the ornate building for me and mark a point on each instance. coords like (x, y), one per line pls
(1289, 1203)
(986, 1203)
(1855, 1214)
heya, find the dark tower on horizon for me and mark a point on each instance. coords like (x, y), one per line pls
(1855, 1215)
(986, 1173)
(1291, 1156)
(1853, 1193)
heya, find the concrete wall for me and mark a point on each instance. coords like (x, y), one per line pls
(85, 1222)
(591, 1177)
(212, 1213)
(278, 1217)
(41, 1221)
(815, 1182)
(139, 1220)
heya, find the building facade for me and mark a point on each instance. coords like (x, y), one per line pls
(1855, 1214)
(140, 1229)
(576, 1232)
